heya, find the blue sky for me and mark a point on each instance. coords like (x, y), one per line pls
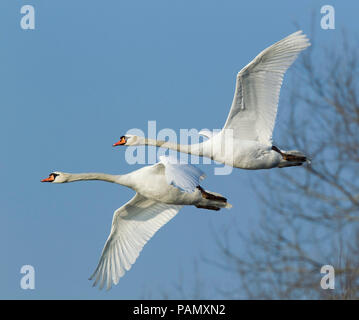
(90, 71)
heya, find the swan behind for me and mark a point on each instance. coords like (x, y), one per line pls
(247, 133)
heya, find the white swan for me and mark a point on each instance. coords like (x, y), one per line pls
(246, 138)
(162, 189)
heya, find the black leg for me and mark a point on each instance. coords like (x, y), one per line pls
(274, 148)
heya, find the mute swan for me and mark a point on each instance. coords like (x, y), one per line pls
(162, 189)
(246, 139)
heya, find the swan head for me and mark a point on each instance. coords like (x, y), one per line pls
(56, 177)
(130, 140)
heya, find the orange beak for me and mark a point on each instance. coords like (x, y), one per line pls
(49, 179)
(119, 143)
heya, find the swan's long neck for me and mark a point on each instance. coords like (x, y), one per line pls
(197, 149)
(119, 179)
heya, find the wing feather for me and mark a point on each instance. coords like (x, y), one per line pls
(254, 107)
(132, 226)
(183, 176)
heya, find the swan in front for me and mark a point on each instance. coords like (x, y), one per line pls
(246, 139)
(161, 190)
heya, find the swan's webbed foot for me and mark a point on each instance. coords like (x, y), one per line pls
(294, 158)
(208, 207)
(210, 196)
(290, 157)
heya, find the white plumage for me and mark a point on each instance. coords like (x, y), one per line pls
(133, 225)
(183, 176)
(246, 139)
(255, 102)
(161, 191)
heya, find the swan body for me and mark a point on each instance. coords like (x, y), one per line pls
(247, 133)
(161, 191)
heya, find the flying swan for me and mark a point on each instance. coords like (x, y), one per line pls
(246, 139)
(161, 190)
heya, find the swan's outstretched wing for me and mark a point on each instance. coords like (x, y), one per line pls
(132, 226)
(254, 107)
(183, 176)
